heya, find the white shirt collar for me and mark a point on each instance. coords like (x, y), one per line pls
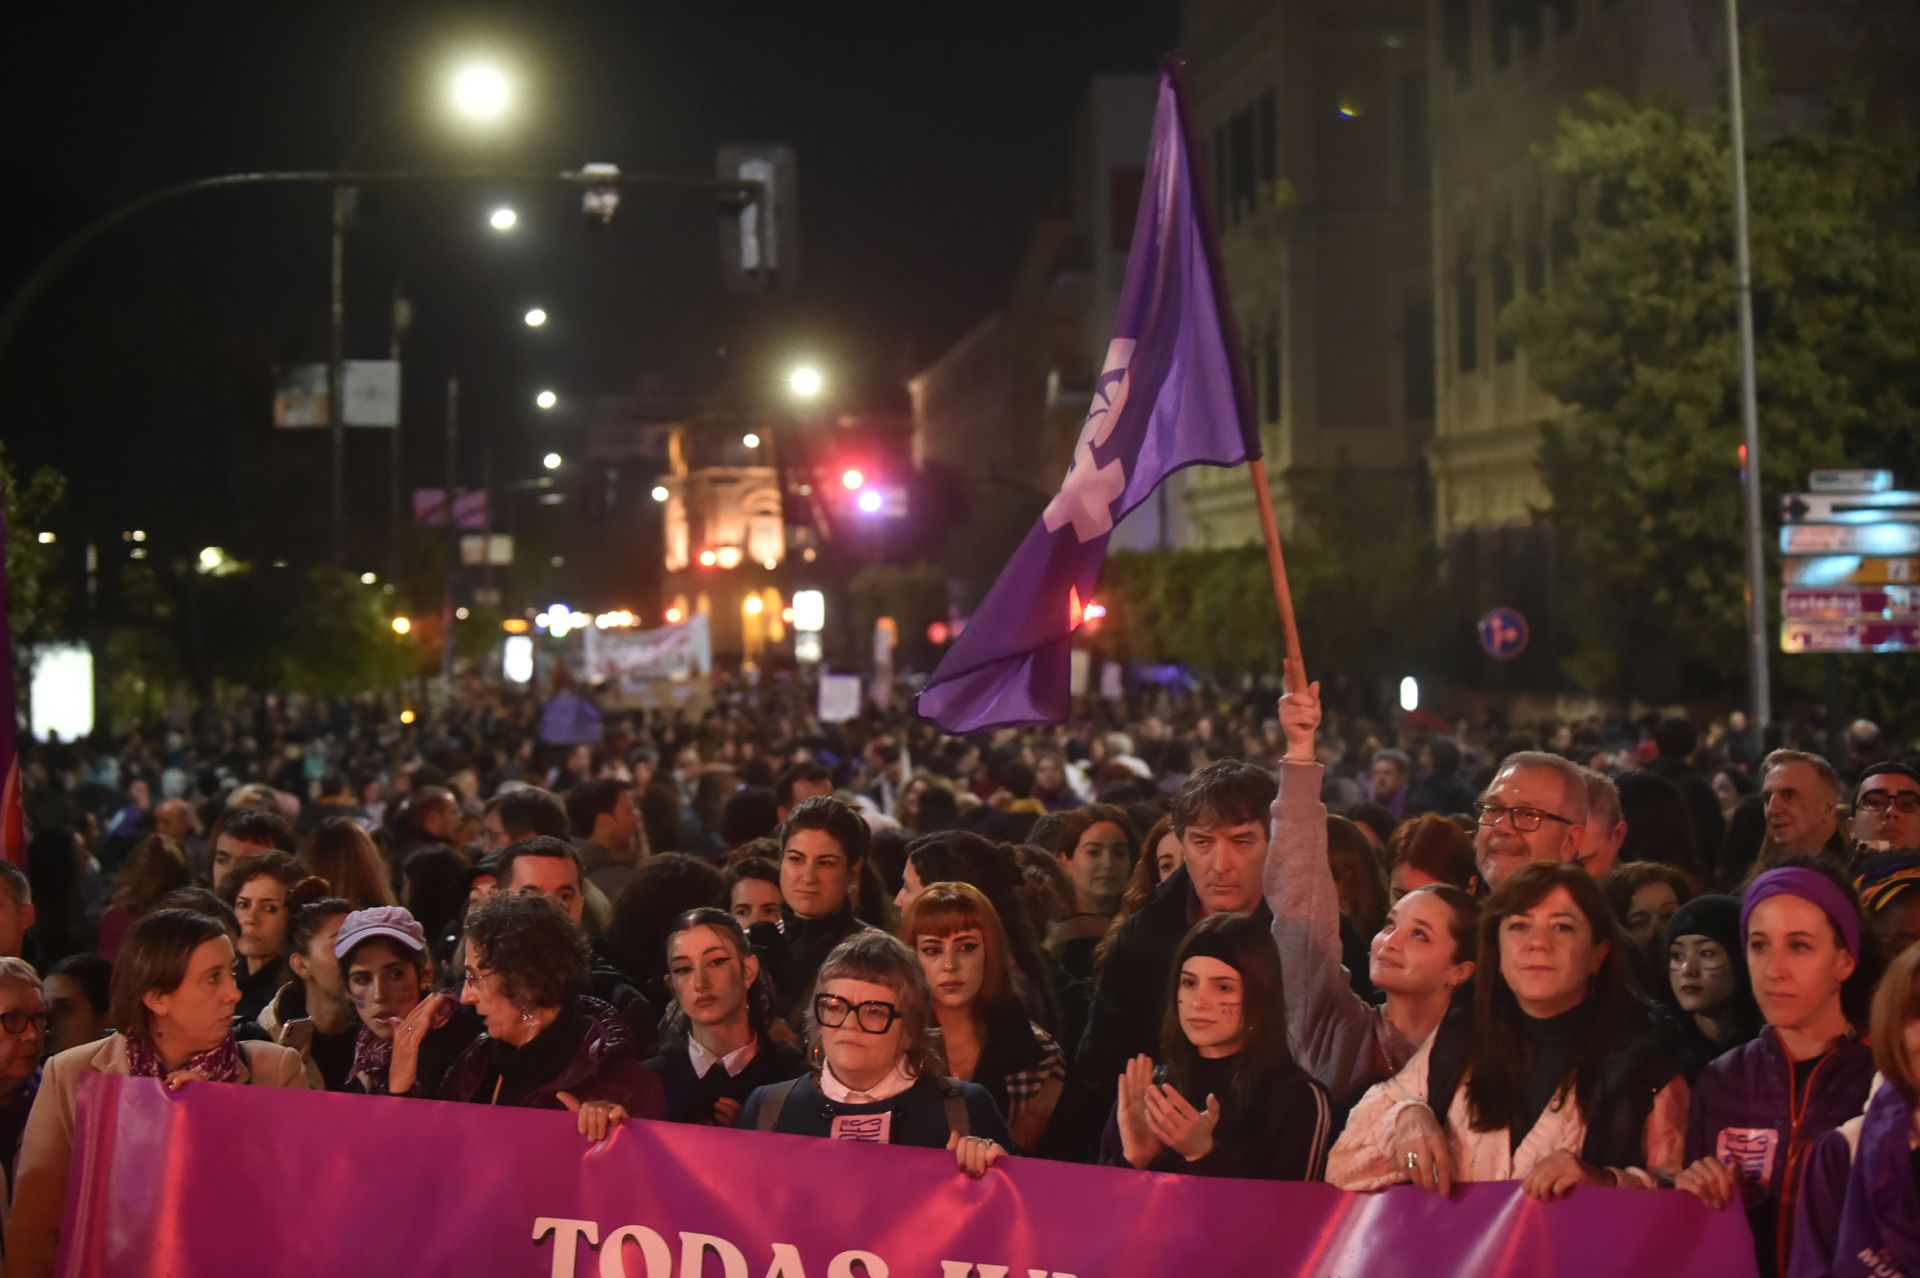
(733, 1062)
(886, 1089)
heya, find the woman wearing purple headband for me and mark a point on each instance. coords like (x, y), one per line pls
(1758, 1109)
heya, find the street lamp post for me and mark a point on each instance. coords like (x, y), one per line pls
(1759, 684)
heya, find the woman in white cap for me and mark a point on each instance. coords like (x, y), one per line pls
(409, 1037)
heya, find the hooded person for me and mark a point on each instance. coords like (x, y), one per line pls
(1707, 980)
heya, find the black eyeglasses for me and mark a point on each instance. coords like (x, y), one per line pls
(1525, 820)
(875, 1017)
(1907, 802)
(17, 1022)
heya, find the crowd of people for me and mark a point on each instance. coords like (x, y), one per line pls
(1192, 935)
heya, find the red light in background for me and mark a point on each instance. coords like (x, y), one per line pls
(939, 632)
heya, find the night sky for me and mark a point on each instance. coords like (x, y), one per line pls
(926, 147)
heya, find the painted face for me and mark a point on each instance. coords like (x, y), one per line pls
(857, 1057)
(755, 901)
(1212, 1006)
(1548, 955)
(554, 876)
(383, 984)
(1701, 973)
(1167, 857)
(1800, 807)
(1650, 909)
(1500, 846)
(815, 876)
(71, 1018)
(1796, 962)
(197, 1015)
(1225, 863)
(1887, 810)
(485, 992)
(956, 966)
(1412, 953)
(20, 1052)
(708, 977)
(261, 907)
(1099, 865)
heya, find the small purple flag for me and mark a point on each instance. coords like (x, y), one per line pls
(1170, 396)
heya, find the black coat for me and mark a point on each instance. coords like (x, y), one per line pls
(794, 952)
(690, 1098)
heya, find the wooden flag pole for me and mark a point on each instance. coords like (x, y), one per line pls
(1296, 666)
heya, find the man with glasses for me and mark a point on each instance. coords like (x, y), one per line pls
(1886, 810)
(1535, 810)
(23, 1043)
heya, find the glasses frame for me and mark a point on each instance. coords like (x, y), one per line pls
(858, 1011)
(1522, 818)
(16, 1021)
(1880, 802)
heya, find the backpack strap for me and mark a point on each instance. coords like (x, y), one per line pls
(768, 1119)
(958, 1120)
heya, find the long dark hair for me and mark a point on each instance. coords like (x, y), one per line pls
(675, 1024)
(1248, 949)
(1502, 1055)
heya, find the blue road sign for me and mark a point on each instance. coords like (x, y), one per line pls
(1503, 634)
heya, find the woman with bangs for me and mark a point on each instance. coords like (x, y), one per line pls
(1565, 1077)
(956, 934)
(878, 1076)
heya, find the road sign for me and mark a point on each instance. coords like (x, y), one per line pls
(1503, 634)
(1850, 539)
(1857, 508)
(1850, 603)
(1850, 636)
(1850, 570)
(1850, 481)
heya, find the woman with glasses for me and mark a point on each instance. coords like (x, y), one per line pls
(1566, 1078)
(548, 1044)
(1707, 980)
(714, 1049)
(984, 1032)
(173, 998)
(1757, 1110)
(878, 1074)
(23, 1042)
(1229, 1101)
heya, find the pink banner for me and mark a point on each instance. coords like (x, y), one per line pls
(232, 1180)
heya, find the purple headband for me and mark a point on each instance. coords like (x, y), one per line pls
(1809, 885)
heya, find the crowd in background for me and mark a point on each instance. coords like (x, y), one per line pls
(1187, 933)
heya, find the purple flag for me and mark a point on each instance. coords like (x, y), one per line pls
(13, 824)
(1170, 395)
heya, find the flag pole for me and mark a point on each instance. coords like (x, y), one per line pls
(1175, 65)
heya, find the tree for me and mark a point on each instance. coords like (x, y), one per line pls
(35, 601)
(1637, 336)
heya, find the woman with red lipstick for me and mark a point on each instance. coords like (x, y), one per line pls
(1758, 1110)
(1229, 1101)
(715, 1048)
(409, 1037)
(1567, 1077)
(986, 1035)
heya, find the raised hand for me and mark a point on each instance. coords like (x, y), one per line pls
(1137, 1142)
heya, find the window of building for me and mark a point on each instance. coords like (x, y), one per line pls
(1250, 360)
(1456, 39)
(1416, 359)
(1466, 313)
(1503, 277)
(1268, 118)
(1563, 245)
(1501, 33)
(1270, 376)
(1527, 16)
(1563, 15)
(1416, 157)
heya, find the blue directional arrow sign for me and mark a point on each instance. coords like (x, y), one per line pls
(1503, 634)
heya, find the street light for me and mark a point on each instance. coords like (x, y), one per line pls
(546, 399)
(750, 439)
(660, 492)
(870, 501)
(551, 461)
(536, 317)
(503, 219)
(851, 479)
(46, 539)
(366, 578)
(481, 92)
(806, 382)
(402, 625)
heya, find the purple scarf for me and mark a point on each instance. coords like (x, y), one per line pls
(1880, 1224)
(373, 1055)
(215, 1065)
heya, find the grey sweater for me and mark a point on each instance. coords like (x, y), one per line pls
(1336, 1036)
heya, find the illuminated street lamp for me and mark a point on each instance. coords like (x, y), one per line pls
(851, 479)
(402, 625)
(546, 399)
(481, 92)
(751, 440)
(870, 502)
(536, 317)
(366, 578)
(551, 461)
(805, 382)
(46, 539)
(503, 219)
(660, 492)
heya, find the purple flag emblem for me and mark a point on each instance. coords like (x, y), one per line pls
(1169, 396)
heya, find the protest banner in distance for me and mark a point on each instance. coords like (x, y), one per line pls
(229, 1180)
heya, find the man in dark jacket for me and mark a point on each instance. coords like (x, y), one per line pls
(1221, 817)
